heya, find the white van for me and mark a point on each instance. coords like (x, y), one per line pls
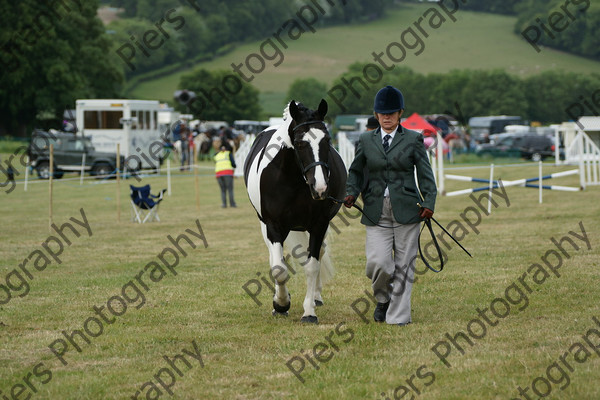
(131, 123)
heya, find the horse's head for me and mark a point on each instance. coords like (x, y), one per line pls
(311, 142)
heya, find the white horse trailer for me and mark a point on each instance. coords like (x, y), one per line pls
(131, 123)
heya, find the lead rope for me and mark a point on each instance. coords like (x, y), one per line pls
(427, 222)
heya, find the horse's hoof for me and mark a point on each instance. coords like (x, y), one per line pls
(282, 309)
(279, 314)
(318, 303)
(311, 319)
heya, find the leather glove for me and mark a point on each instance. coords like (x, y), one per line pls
(349, 201)
(425, 213)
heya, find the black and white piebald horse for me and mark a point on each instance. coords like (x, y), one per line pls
(292, 173)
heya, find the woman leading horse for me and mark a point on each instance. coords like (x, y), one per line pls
(389, 156)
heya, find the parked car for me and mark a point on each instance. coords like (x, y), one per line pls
(68, 155)
(531, 147)
(483, 127)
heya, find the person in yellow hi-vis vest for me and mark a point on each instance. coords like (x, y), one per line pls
(225, 164)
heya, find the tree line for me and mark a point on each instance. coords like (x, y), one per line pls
(544, 97)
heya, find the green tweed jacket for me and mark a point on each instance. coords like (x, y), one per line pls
(394, 169)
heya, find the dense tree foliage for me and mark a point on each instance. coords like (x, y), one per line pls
(308, 91)
(491, 6)
(52, 54)
(221, 96)
(356, 10)
(465, 93)
(493, 93)
(550, 93)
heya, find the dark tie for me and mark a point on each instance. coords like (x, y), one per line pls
(386, 142)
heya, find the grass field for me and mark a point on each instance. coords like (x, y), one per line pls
(474, 41)
(244, 350)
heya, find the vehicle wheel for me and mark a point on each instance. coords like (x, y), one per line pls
(43, 170)
(102, 170)
(536, 157)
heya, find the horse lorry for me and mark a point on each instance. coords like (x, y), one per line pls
(133, 124)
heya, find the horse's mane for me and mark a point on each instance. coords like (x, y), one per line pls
(287, 120)
(286, 110)
(286, 113)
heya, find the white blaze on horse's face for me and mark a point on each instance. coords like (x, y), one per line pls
(314, 147)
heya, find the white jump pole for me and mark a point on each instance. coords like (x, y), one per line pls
(26, 174)
(540, 180)
(169, 175)
(491, 187)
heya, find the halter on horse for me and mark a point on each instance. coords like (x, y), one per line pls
(291, 173)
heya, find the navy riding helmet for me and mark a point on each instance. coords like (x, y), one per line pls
(388, 100)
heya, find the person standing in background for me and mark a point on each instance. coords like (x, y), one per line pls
(372, 123)
(224, 168)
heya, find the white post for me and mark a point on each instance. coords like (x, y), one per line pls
(440, 155)
(540, 181)
(556, 147)
(82, 169)
(581, 155)
(169, 175)
(197, 183)
(589, 154)
(26, 174)
(433, 160)
(594, 161)
(491, 187)
(50, 180)
(118, 180)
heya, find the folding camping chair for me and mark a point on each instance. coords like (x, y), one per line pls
(145, 205)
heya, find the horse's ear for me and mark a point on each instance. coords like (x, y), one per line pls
(294, 112)
(322, 109)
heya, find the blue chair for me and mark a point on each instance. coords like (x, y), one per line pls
(144, 205)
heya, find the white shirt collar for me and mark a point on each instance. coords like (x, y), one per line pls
(383, 133)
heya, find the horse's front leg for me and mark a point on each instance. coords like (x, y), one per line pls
(313, 281)
(279, 271)
(311, 270)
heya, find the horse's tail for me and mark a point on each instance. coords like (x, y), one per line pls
(297, 247)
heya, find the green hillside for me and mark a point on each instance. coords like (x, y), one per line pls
(474, 41)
